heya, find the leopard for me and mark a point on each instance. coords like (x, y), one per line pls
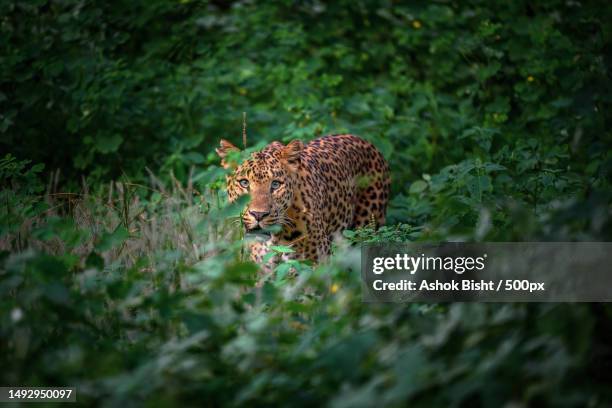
(310, 191)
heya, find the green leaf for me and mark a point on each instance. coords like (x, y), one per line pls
(108, 143)
(193, 158)
(114, 239)
(267, 257)
(283, 249)
(418, 187)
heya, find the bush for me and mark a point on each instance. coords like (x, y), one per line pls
(146, 298)
(494, 117)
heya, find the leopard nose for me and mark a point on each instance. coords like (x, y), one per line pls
(259, 215)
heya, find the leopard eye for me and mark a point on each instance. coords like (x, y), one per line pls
(244, 183)
(275, 185)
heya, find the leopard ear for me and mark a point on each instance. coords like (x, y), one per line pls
(224, 148)
(291, 154)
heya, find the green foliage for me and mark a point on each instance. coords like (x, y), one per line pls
(494, 117)
(497, 106)
(165, 311)
(147, 83)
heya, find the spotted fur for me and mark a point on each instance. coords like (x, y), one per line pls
(312, 191)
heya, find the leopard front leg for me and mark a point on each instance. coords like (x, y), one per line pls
(258, 250)
(318, 246)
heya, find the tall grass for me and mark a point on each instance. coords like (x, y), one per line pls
(123, 222)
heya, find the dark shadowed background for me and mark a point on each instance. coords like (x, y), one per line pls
(121, 272)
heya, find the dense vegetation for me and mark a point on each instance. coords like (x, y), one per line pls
(122, 273)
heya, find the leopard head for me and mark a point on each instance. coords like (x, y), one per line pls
(269, 177)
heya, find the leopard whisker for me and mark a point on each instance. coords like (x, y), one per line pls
(285, 222)
(289, 221)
